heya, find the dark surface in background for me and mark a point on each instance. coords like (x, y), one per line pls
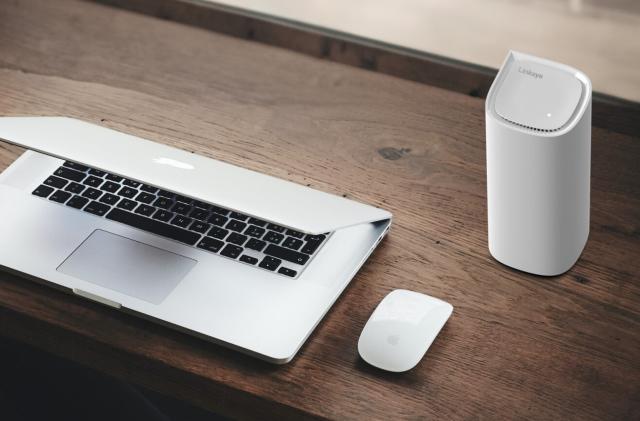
(38, 386)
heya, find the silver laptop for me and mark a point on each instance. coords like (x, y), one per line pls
(236, 257)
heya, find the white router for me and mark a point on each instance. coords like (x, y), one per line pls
(538, 122)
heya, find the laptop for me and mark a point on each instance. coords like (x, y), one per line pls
(236, 257)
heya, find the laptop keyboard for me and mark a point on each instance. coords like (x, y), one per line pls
(212, 228)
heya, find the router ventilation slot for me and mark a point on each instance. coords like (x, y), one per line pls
(535, 129)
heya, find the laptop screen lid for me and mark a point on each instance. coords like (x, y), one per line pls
(249, 192)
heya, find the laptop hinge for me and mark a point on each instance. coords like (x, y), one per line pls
(96, 298)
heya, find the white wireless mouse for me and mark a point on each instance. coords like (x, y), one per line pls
(401, 329)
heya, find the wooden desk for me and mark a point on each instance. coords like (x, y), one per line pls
(517, 346)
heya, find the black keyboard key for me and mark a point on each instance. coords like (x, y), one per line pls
(218, 232)
(74, 188)
(236, 225)
(110, 187)
(109, 199)
(294, 233)
(127, 204)
(77, 167)
(167, 194)
(145, 197)
(286, 254)
(199, 226)
(70, 174)
(211, 244)
(181, 221)
(43, 191)
(199, 214)
(255, 244)
(114, 177)
(231, 251)
(97, 173)
(77, 202)
(258, 222)
(201, 205)
(130, 183)
(288, 272)
(145, 210)
(273, 237)
(183, 199)
(217, 219)
(292, 243)
(125, 191)
(93, 181)
(311, 246)
(163, 202)
(239, 216)
(248, 259)
(56, 182)
(270, 263)
(97, 208)
(163, 215)
(153, 226)
(92, 194)
(236, 238)
(181, 208)
(149, 189)
(60, 196)
(276, 228)
(254, 231)
(314, 237)
(219, 210)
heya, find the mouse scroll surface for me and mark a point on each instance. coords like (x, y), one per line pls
(401, 330)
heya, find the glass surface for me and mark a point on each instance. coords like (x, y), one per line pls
(596, 36)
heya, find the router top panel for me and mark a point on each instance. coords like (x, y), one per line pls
(537, 94)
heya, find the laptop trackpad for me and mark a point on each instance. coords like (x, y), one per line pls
(127, 266)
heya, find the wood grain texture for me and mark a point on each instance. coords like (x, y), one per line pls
(516, 347)
(608, 112)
